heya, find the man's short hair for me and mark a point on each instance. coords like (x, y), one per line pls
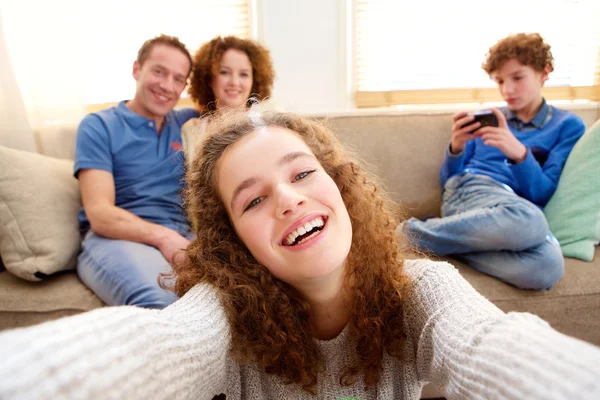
(527, 48)
(172, 41)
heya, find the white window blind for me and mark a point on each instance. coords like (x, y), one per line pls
(431, 51)
(98, 40)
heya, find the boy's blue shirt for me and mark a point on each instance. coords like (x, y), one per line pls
(549, 138)
(147, 167)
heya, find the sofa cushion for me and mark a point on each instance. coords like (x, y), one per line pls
(25, 303)
(572, 306)
(573, 213)
(39, 202)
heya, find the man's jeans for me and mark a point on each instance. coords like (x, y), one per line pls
(487, 225)
(124, 273)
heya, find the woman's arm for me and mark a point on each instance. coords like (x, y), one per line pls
(121, 353)
(192, 134)
(470, 349)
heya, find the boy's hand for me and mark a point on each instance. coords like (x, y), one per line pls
(502, 138)
(461, 126)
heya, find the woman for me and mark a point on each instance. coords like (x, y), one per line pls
(295, 288)
(227, 72)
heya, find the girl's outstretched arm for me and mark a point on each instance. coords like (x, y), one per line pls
(121, 353)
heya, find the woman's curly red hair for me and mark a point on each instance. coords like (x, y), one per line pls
(207, 62)
(269, 319)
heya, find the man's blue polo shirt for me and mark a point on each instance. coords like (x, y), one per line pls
(147, 167)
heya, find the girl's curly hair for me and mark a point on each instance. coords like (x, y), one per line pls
(206, 65)
(527, 48)
(269, 319)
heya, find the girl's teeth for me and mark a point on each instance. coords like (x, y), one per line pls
(309, 237)
(302, 230)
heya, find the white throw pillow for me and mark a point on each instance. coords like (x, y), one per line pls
(39, 202)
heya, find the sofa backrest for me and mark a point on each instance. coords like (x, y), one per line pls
(405, 151)
(57, 141)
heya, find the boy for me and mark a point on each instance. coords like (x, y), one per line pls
(496, 180)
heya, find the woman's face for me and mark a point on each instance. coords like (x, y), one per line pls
(233, 82)
(284, 206)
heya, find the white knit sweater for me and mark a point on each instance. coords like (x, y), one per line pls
(456, 339)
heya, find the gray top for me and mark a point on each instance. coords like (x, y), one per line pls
(457, 339)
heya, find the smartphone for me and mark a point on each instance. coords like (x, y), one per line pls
(486, 117)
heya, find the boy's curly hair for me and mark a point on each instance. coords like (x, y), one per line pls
(527, 48)
(269, 319)
(206, 65)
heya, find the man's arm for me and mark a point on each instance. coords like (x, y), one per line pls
(98, 197)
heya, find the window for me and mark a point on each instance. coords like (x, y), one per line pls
(88, 47)
(431, 51)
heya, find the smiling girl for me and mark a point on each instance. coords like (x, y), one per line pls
(295, 288)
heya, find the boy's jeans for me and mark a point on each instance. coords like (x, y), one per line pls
(124, 273)
(487, 225)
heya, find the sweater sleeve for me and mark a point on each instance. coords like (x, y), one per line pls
(537, 183)
(121, 353)
(470, 349)
(455, 163)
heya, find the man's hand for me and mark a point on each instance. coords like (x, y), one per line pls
(170, 243)
(461, 127)
(503, 139)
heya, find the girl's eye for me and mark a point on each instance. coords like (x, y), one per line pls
(223, 72)
(302, 175)
(253, 203)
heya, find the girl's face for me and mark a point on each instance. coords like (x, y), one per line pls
(284, 207)
(233, 82)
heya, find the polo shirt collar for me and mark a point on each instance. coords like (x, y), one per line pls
(133, 119)
(537, 121)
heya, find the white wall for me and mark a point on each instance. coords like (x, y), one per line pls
(308, 45)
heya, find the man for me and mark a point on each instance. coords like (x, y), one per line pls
(130, 168)
(497, 179)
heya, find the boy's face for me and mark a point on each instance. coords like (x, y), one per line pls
(520, 85)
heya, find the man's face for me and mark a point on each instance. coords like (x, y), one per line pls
(160, 81)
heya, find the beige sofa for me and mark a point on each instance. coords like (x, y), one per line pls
(407, 152)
